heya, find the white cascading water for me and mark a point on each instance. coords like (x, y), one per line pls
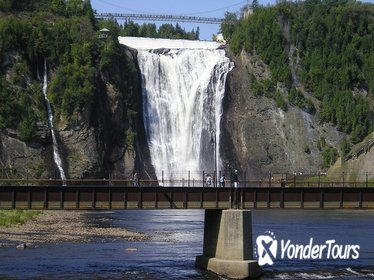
(56, 154)
(183, 90)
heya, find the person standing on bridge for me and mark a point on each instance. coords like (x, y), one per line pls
(135, 180)
(208, 180)
(222, 181)
(235, 179)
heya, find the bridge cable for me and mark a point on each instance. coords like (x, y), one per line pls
(194, 13)
(121, 7)
(216, 10)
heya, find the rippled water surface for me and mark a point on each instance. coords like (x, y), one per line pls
(177, 237)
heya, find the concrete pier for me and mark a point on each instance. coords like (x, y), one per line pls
(228, 247)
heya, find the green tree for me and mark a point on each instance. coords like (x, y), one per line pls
(6, 5)
(345, 148)
(131, 29)
(329, 157)
(228, 25)
(148, 30)
(58, 7)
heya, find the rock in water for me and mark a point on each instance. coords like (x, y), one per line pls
(21, 246)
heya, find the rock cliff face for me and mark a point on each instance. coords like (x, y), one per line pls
(258, 137)
(101, 143)
(18, 158)
(108, 139)
(105, 139)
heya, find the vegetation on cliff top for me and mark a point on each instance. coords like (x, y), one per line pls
(331, 45)
(65, 34)
(168, 31)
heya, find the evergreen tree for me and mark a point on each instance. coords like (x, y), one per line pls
(255, 4)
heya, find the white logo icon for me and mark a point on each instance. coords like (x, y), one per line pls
(267, 246)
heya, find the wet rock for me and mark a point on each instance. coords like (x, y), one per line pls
(21, 246)
(27, 245)
(131, 249)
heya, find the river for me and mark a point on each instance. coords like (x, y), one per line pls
(177, 237)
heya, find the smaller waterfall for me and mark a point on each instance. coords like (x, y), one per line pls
(56, 154)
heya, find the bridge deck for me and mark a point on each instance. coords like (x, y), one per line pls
(155, 17)
(121, 197)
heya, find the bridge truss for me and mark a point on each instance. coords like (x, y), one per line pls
(122, 197)
(155, 17)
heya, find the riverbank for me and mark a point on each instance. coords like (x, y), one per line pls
(63, 226)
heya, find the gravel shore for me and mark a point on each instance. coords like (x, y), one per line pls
(62, 226)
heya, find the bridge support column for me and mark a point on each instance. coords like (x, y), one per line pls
(228, 244)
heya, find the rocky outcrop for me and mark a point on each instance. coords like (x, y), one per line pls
(80, 152)
(21, 159)
(358, 165)
(258, 137)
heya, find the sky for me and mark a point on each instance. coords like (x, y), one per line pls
(202, 8)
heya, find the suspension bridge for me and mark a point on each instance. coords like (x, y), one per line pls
(156, 17)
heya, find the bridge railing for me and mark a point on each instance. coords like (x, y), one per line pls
(192, 183)
(156, 17)
(122, 197)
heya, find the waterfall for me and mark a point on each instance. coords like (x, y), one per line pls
(56, 154)
(182, 90)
